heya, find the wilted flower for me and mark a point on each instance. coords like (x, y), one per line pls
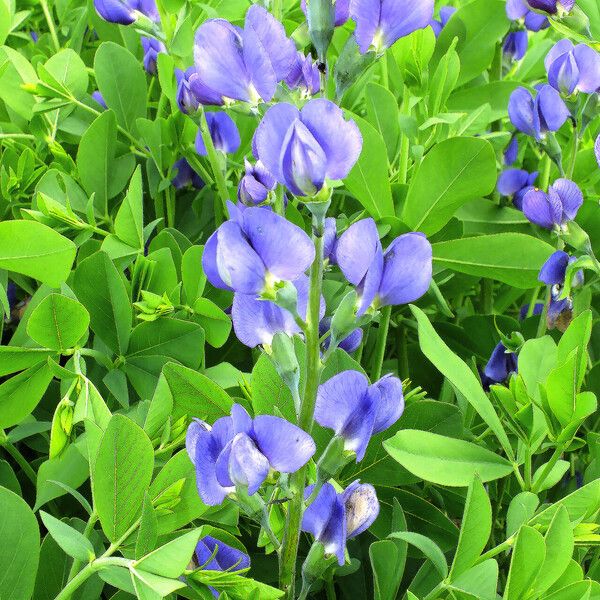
(126, 12)
(511, 151)
(573, 68)
(254, 251)
(350, 343)
(341, 8)
(519, 10)
(152, 48)
(255, 185)
(242, 64)
(335, 518)
(380, 23)
(535, 117)
(97, 96)
(554, 273)
(515, 183)
(356, 410)
(552, 7)
(214, 555)
(304, 148)
(399, 275)
(223, 132)
(304, 75)
(515, 45)
(445, 13)
(186, 175)
(239, 451)
(500, 365)
(556, 208)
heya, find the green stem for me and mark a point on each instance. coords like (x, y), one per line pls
(545, 176)
(291, 538)
(404, 142)
(533, 301)
(527, 469)
(51, 26)
(573, 158)
(86, 533)
(170, 203)
(487, 296)
(385, 82)
(382, 333)
(21, 461)
(16, 136)
(541, 330)
(549, 466)
(506, 545)
(330, 589)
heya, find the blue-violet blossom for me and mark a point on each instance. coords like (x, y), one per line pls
(500, 365)
(304, 76)
(556, 208)
(126, 12)
(152, 48)
(186, 176)
(519, 10)
(573, 68)
(255, 185)
(515, 183)
(515, 45)
(223, 132)
(552, 7)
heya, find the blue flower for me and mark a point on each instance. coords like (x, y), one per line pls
(515, 183)
(239, 452)
(556, 208)
(552, 7)
(445, 13)
(152, 48)
(334, 518)
(255, 185)
(519, 10)
(223, 132)
(186, 176)
(304, 76)
(304, 148)
(126, 12)
(341, 8)
(380, 23)
(536, 116)
(399, 275)
(515, 45)
(350, 343)
(500, 365)
(597, 150)
(254, 251)
(187, 100)
(356, 410)
(97, 96)
(573, 68)
(242, 64)
(511, 152)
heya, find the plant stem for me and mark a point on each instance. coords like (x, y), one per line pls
(51, 26)
(21, 461)
(541, 330)
(545, 175)
(385, 82)
(573, 158)
(291, 538)
(496, 550)
(382, 333)
(404, 141)
(86, 533)
(549, 466)
(487, 296)
(170, 202)
(16, 136)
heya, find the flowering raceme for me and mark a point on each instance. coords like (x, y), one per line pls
(356, 410)
(536, 116)
(515, 183)
(515, 45)
(303, 148)
(304, 76)
(241, 64)
(239, 452)
(380, 23)
(256, 250)
(152, 48)
(556, 208)
(333, 518)
(399, 275)
(500, 365)
(572, 68)
(255, 185)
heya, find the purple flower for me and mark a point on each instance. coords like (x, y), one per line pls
(515, 45)
(187, 100)
(554, 273)
(500, 365)
(256, 322)
(34, 36)
(380, 23)
(239, 451)
(186, 176)
(152, 48)
(329, 240)
(97, 96)
(356, 410)
(399, 275)
(254, 251)
(304, 148)
(511, 151)
(445, 13)
(597, 150)
(552, 7)
(255, 185)
(334, 518)
(341, 7)
(350, 343)
(537, 310)
(242, 64)
(573, 68)
(304, 76)
(519, 10)
(126, 12)
(515, 183)
(535, 117)
(556, 208)
(214, 555)
(223, 132)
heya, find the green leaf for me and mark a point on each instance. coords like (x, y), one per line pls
(20, 394)
(577, 337)
(101, 171)
(6, 17)
(20, 549)
(122, 83)
(387, 561)
(453, 172)
(91, 406)
(495, 93)
(194, 279)
(429, 548)
(148, 530)
(537, 358)
(554, 476)
(153, 587)
(561, 389)
(41, 252)
(480, 581)
(13, 359)
(368, 180)
(475, 529)
(443, 81)
(445, 461)
(216, 324)
(129, 222)
(527, 559)
(236, 586)
(102, 290)
(459, 375)
(521, 508)
(512, 258)
(121, 475)
(58, 322)
(172, 559)
(69, 539)
(67, 69)
(382, 113)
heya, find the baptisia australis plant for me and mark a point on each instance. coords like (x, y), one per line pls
(553, 210)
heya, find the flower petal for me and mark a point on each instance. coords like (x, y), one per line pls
(552, 110)
(516, 9)
(562, 47)
(554, 270)
(366, 14)
(362, 507)
(209, 263)
(226, 557)
(248, 467)
(223, 131)
(390, 403)
(401, 17)
(588, 63)
(521, 113)
(499, 365)
(356, 249)
(536, 207)
(511, 181)
(570, 196)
